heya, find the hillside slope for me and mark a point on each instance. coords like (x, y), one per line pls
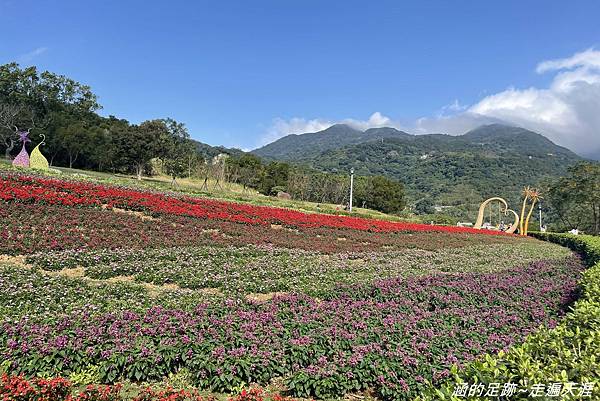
(453, 170)
(208, 151)
(299, 147)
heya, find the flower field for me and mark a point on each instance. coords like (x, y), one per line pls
(59, 192)
(119, 285)
(252, 269)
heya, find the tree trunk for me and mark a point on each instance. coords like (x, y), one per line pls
(72, 159)
(10, 145)
(138, 171)
(52, 159)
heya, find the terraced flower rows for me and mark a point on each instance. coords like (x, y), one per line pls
(42, 190)
(252, 269)
(27, 228)
(140, 285)
(370, 336)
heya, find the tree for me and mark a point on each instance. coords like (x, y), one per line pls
(298, 183)
(177, 162)
(193, 159)
(103, 150)
(424, 206)
(246, 169)
(39, 94)
(136, 145)
(576, 197)
(177, 151)
(384, 195)
(175, 168)
(76, 139)
(32, 100)
(275, 174)
(9, 114)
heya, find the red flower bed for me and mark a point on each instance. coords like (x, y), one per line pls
(21, 188)
(18, 388)
(29, 228)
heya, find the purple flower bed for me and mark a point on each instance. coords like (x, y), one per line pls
(390, 336)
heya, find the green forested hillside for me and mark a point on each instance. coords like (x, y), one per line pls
(208, 151)
(492, 160)
(300, 147)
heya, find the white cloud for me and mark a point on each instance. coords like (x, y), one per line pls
(567, 111)
(587, 58)
(280, 127)
(451, 108)
(376, 120)
(29, 56)
(455, 124)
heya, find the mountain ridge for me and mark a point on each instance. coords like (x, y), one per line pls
(490, 160)
(329, 138)
(299, 146)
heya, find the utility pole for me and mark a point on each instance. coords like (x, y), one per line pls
(351, 185)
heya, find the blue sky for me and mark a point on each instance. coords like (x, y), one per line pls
(239, 73)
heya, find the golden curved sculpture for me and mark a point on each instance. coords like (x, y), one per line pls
(479, 223)
(37, 159)
(528, 194)
(514, 225)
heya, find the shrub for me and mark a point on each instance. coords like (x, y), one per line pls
(86, 376)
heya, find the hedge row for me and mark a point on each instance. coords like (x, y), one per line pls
(564, 359)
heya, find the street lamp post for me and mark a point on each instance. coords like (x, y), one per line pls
(351, 185)
(540, 210)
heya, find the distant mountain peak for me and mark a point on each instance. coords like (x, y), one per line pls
(517, 138)
(385, 130)
(337, 128)
(498, 129)
(495, 137)
(336, 136)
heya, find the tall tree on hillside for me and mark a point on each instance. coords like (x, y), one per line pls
(274, 175)
(177, 161)
(246, 169)
(384, 195)
(298, 183)
(177, 150)
(38, 98)
(102, 149)
(576, 197)
(76, 138)
(175, 167)
(42, 93)
(424, 206)
(151, 139)
(136, 145)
